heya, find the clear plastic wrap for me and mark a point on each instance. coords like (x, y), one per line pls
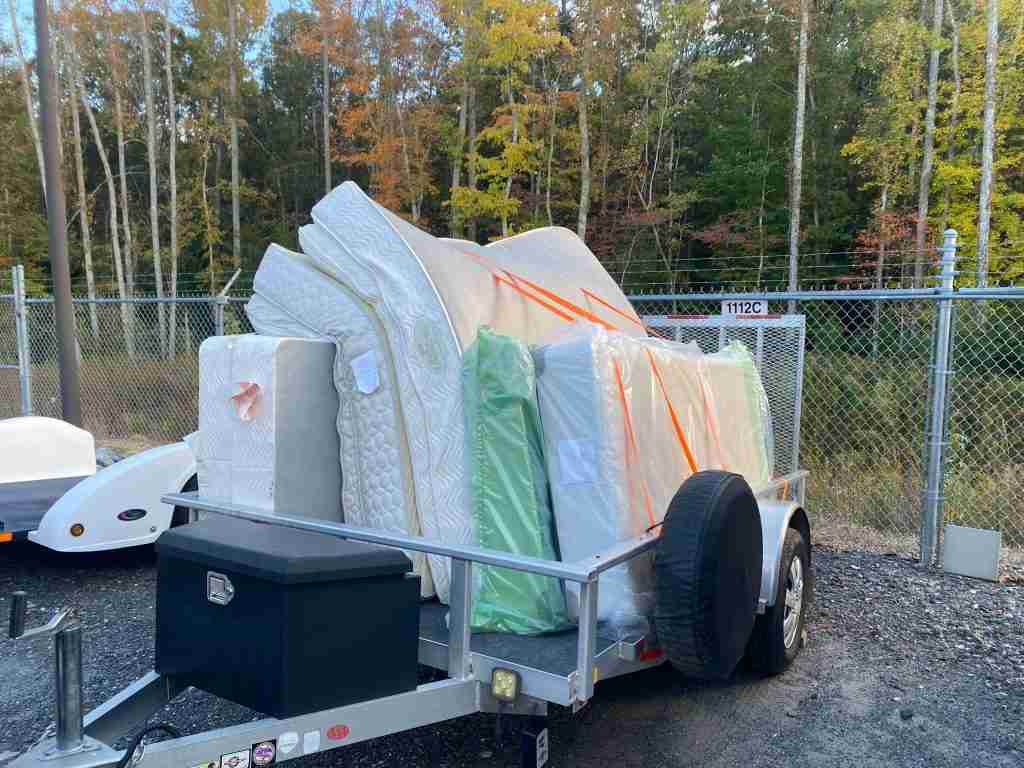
(510, 507)
(626, 420)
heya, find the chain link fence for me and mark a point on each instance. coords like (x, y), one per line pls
(867, 382)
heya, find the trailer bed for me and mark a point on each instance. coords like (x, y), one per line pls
(552, 654)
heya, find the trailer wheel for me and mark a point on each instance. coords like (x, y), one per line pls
(779, 632)
(180, 516)
(708, 574)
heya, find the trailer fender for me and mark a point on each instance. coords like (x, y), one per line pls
(776, 518)
(118, 506)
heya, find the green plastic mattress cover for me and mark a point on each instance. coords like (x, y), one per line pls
(511, 510)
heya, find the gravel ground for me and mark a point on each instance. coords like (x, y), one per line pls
(902, 668)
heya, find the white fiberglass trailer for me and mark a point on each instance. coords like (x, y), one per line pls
(51, 492)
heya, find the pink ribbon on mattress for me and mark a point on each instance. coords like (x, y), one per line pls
(246, 399)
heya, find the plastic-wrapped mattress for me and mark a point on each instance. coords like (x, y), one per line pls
(626, 420)
(263, 440)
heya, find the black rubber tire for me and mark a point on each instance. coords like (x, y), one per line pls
(767, 652)
(180, 514)
(708, 574)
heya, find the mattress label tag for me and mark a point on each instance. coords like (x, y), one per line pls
(364, 368)
(577, 460)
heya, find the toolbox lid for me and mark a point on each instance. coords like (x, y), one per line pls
(278, 554)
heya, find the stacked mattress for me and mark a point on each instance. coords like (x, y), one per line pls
(400, 307)
(626, 420)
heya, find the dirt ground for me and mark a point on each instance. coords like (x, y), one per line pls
(903, 668)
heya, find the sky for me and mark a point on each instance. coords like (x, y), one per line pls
(27, 30)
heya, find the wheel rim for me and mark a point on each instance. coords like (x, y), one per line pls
(794, 602)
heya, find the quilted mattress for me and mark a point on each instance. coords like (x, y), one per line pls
(263, 440)
(626, 420)
(293, 297)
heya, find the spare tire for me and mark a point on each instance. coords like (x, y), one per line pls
(708, 574)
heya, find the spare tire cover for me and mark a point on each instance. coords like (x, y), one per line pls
(708, 574)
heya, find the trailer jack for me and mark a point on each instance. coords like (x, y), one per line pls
(67, 643)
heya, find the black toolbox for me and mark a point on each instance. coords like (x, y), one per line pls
(282, 621)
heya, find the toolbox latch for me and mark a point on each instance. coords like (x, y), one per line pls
(219, 588)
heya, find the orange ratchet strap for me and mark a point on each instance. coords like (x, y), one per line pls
(631, 449)
(613, 308)
(687, 453)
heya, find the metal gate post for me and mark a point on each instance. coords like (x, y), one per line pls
(935, 432)
(22, 339)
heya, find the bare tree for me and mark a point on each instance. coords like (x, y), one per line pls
(954, 102)
(172, 171)
(154, 209)
(460, 148)
(116, 71)
(83, 207)
(126, 318)
(988, 139)
(796, 180)
(586, 38)
(236, 226)
(928, 154)
(325, 66)
(26, 89)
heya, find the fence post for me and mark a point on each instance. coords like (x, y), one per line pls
(218, 315)
(935, 433)
(22, 339)
(221, 301)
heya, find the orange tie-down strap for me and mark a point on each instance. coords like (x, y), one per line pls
(613, 308)
(551, 301)
(632, 454)
(680, 435)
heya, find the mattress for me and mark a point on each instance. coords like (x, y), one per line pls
(263, 439)
(511, 509)
(292, 297)
(427, 298)
(626, 421)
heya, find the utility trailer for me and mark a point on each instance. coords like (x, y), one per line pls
(497, 673)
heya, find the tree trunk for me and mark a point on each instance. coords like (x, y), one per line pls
(927, 158)
(10, 223)
(26, 88)
(471, 170)
(584, 124)
(988, 139)
(172, 171)
(552, 132)
(460, 147)
(236, 225)
(324, 64)
(126, 314)
(954, 104)
(876, 309)
(798, 148)
(83, 208)
(515, 140)
(129, 245)
(154, 210)
(207, 216)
